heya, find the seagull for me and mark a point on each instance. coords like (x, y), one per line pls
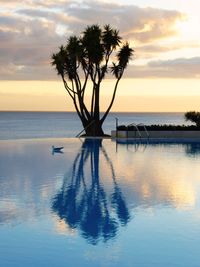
(57, 149)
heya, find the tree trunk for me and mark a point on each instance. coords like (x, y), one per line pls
(93, 128)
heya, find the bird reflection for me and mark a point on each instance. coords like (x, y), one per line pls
(83, 201)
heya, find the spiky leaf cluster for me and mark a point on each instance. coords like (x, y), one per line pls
(92, 52)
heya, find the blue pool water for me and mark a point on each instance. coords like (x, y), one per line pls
(99, 203)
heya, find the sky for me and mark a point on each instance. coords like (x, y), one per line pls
(163, 75)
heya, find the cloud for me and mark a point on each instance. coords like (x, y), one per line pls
(27, 43)
(57, 18)
(30, 31)
(176, 68)
(10, 2)
(149, 51)
(141, 24)
(180, 67)
(33, 3)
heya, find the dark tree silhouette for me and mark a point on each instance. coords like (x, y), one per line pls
(193, 116)
(86, 59)
(83, 201)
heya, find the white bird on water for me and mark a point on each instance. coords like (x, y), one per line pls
(57, 149)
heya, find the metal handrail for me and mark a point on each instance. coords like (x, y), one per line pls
(85, 128)
(136, 126)
(142, 124)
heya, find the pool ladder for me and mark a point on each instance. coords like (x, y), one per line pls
(136, 127)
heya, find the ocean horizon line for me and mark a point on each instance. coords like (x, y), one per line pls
(111, 112)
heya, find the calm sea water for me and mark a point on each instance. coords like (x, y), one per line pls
(22, 125)
(99, 203)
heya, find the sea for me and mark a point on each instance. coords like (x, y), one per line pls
(30, 125)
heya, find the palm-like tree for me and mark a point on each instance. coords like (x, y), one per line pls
(87, 58)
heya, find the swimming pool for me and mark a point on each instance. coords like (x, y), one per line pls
(99, 203)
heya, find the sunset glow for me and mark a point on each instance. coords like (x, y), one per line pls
(163, 75)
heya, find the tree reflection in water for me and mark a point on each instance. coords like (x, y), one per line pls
(83, 201)
(192, 149)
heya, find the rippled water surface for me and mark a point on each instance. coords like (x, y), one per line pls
(99, 203)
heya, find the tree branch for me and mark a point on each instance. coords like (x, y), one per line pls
(70, 91)
(92, 101)
(112, 101)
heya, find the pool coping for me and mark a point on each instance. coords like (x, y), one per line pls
(156, 134)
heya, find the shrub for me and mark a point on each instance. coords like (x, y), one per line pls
(193, 116)
(163, 127)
